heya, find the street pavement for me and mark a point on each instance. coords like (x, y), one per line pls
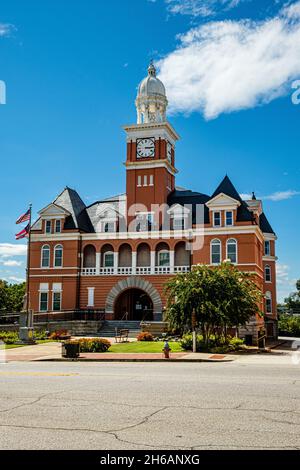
(250, 403)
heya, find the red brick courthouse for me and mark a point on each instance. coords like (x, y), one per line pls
(116, 254)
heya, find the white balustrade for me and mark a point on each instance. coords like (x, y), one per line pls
(139, 270)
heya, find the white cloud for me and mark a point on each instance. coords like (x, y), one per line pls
(281, 195)
(202, 8)
(11, 263)
(9, 250)
(6, 29)
(285, 285)
(245, 196)
(226, 66)
(16, 279)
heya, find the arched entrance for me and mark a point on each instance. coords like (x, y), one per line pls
(129, 283)
(133, 304)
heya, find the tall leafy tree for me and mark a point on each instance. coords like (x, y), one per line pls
(293, 301)
(11, 296)
(221, 297)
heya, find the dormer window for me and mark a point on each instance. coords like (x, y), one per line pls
(109, 227)
(217, 219)
(229, 218)
(178, 223)
(57, 226)
(144, 221)
(48, 226)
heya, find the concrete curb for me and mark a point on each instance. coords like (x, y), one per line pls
(62, 359)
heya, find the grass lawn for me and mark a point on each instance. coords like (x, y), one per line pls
(40, 341)
(143, 347)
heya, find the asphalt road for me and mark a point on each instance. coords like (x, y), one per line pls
(248, 404)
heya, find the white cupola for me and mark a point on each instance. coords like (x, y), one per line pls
(151, 102)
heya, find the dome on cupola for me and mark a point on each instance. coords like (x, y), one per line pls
(151, 101)
(151, 85)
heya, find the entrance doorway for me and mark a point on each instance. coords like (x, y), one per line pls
(134, 305)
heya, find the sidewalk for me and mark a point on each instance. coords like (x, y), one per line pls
(52, 352)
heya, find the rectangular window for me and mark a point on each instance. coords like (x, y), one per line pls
(178, 223)
(139, 181)
(267, 248)
(144, 221)
(91, 291)
(56, 301)
(145, 180)
(217, 219)
(109, 227)
(108, 260)
(164, 258)
(229, 218)
(48, 226)
(269, 304)
(43, 301)
(151, 180)
(57, 226)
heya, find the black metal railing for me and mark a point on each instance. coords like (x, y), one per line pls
(50, 317)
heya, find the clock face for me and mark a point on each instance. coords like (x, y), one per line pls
(169, 152)
(145, 148)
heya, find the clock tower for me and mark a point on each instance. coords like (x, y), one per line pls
(150, 163)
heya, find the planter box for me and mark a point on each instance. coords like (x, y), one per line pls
(70, 350)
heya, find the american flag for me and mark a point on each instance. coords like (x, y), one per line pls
(24, 217)
(24, 233)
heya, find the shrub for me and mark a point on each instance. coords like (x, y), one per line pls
(9, 337)
(289, 325)
(40, 334)
(59, 334)
(215, 344)
(145, 336)
(93, 344)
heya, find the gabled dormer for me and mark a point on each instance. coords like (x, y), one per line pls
(226, 207)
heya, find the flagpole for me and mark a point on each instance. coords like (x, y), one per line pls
(28, 264)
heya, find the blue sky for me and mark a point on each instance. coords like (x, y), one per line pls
(71, 70)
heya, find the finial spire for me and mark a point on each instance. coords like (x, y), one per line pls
(152, 69)
(253, 196)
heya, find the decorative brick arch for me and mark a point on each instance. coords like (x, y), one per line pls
(134, 282)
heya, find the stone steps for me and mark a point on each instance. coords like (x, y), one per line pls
(109, 328)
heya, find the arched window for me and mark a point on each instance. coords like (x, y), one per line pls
(125, 256)
(215, 251)
(182, 255)
(268, 297)
(268, 273)
(45, 257)
(232, 250)
(143, 255)
(58, 256)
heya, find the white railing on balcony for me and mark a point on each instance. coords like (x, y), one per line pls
(89, 272)
(139, 270)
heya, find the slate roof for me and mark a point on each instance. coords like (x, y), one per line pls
(70, 200)
(86, 218)
(265, 225)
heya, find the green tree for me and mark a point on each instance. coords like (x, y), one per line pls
(11, 296)
(293, 301)
(221, 296)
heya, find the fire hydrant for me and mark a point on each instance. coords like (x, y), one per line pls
(166, 350)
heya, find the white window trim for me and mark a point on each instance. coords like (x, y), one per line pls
(211, 244)
(145, 180)
(139, 181)
(236, 245)
(91, 304)
(104, 256)
(268, 296)
(108, 221)
(151, 180)
(48, 221)
(160, 252)
(269, 243)
(226, 224)
(268, 266)
(217, 212)
(60, 300)
(43, 292)
(62, 256)
(42, 249)
(55, 222)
